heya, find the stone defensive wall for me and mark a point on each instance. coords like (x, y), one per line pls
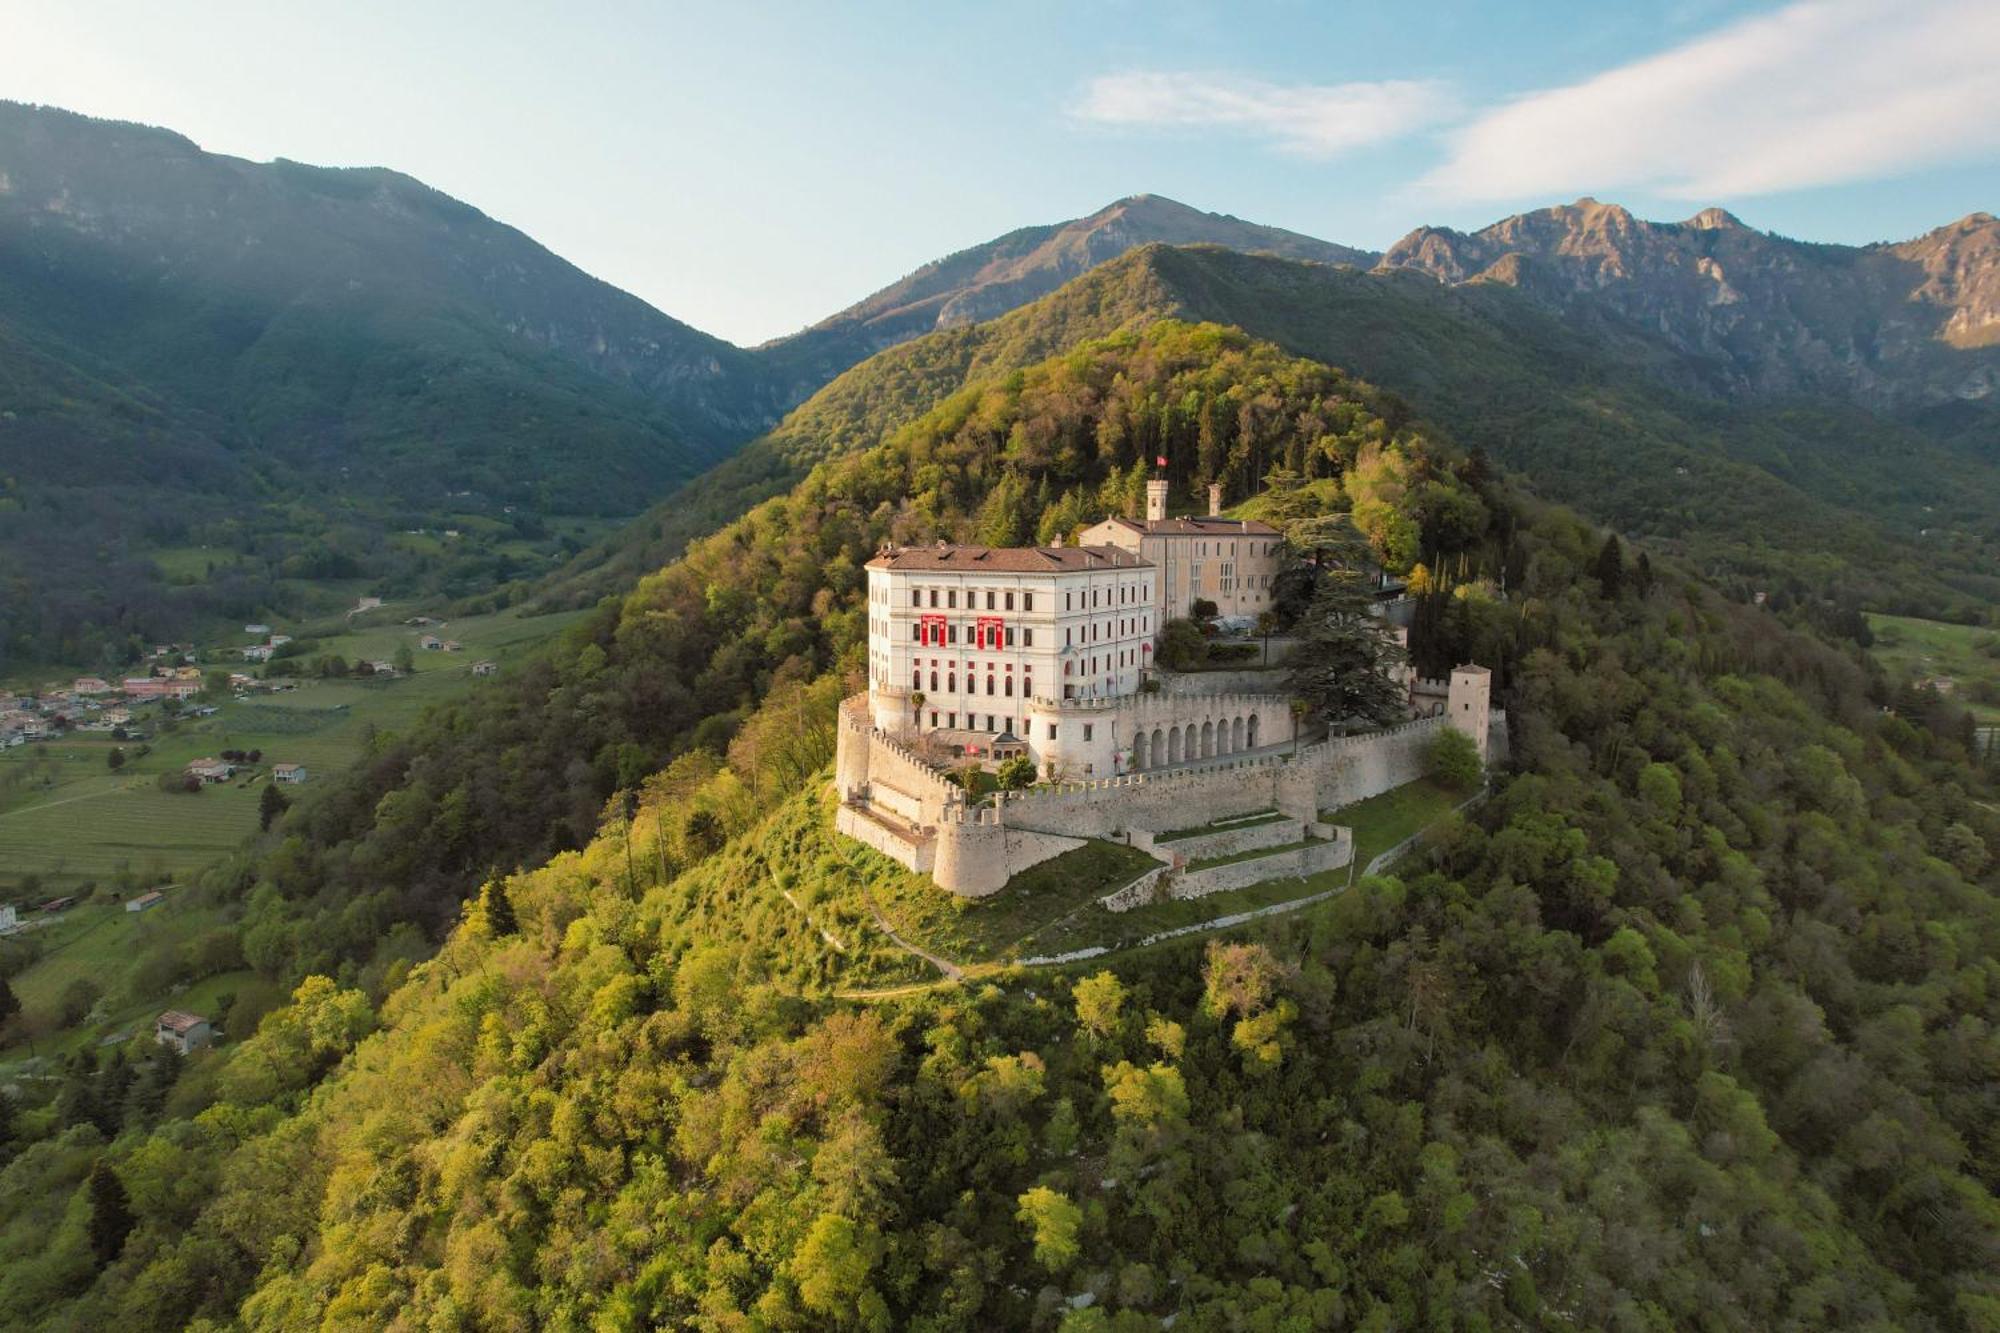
(1321, 776)
(897, 803)
(977, 854)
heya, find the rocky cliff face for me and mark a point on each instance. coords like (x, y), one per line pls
(1895, 325)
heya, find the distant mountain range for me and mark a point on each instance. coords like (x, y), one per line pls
(1907, 325)
(189, 341)
(1008, 272)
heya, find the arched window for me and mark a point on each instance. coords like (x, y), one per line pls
(989, 684)
(951, 682)
(916, 680)
(1010, 687)
(933, 682)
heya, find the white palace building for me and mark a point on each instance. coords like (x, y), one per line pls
(987, 651)
(982, 653)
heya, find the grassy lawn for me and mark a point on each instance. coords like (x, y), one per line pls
(1222, 826)
(983, 929)
(66, 816)
(1921, 649)
(1380, 822)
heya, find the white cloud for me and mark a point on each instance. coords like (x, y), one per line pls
(1817, 93)
(1311, 120)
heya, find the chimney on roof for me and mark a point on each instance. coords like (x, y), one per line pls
(1214, 498)
(1156, 499)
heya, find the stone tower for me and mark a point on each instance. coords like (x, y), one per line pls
(1215, 499)
(1156, 499)
(1469, 705)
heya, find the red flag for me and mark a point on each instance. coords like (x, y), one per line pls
(1161, 460)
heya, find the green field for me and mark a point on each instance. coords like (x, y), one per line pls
(66, 817)
(1967, 655)
(99, 941)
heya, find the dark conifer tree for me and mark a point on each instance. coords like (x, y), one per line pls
(1610, 567)
(111, 1219)
(496, 909)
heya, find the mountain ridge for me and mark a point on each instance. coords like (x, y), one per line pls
(1897, 324)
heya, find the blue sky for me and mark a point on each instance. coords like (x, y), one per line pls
(750, 168)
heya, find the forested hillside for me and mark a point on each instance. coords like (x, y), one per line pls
(1824, 501)
(519, 773)
(280, 355)
(1690, 1025)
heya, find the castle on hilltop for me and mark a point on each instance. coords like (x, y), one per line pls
(980, 654)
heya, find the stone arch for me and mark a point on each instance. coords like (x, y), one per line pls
(1139, 751)
(1236, 734)
(1250, 732)
(1159, 747)
(1174, 746)
(1208, 740)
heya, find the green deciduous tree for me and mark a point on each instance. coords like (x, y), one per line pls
(1453, 759)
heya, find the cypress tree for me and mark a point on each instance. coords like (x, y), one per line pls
(496, 909)
(111, 1219)
(1611, 566)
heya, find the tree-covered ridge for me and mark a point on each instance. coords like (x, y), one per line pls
(857, 410)
(1690, 1025)
(198, 351)
(1822, 498)
(522, 772)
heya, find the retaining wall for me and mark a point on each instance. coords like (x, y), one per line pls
(1222, 842)
(1298, 863)
(918, 855)
(1136, 894)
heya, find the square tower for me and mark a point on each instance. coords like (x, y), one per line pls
(1469, 703)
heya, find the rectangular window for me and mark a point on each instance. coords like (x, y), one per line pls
(989, 599)
(1027, 638)
(933, 596)
(951, 597)
(1027, 601)
(1086, 731)
(1052, 731)
(916, 597)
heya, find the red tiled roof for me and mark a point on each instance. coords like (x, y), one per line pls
(180, 1020)
(1008, 559)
